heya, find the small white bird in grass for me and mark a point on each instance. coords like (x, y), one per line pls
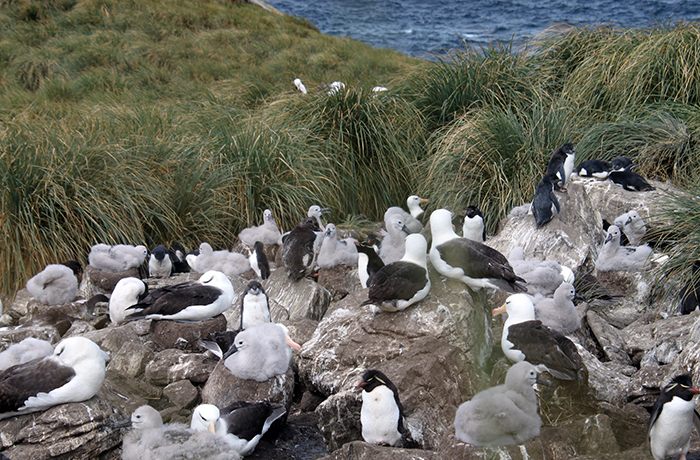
(382, 413)
(57, 284)
(241, 424)
(673, 416)
(149, 439)
(300, 86)
(73, 373)
(502, 415)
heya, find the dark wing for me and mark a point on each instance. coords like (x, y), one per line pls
(542, 345)
(41, 375)
(463, 252)
(176, 298)
(396, 281)
(247, 420)
(554, 199)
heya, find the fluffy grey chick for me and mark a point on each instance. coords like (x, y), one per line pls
(335, 252)
(54, 285)
(117, 258)
(261, 352)
(502, 415)
(267, 233)
(613, 257)
(542, 277)
(24, 351)
(559, 312)
(632, 225)
(393, 246)
(229, 263)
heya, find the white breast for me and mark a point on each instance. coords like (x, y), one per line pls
(380, 416)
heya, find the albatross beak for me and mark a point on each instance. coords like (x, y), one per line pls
(423, 200)
(292, 344)
(325, 210)
(211, 428)
(499, 311)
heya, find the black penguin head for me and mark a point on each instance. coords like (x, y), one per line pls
(549, 179)
(159, 252)
(76, 267)
(568, 148)
(310, 223)
(258, 246)
(254, 288)
(681, 386)
(373, 378)
(622, 164)
(473, 211)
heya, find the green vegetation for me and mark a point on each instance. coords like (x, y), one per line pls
(170, 120)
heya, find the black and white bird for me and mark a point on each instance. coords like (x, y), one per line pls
(400, 284)
(254, 306)
(57, 284)
(471, 262)
(160, 265)
(689, 296)
(117, 258)
(502, 415)
(630, 180)
(473, 226)
(128, 292)
(73, 373)
(381, 415)
(559, 312)
(230, 263)
(632, 225)
(545, 200)
(613, 257)
(260, 352)
(150, 439)
(600, 169)
(267, 233)
(525, 338)
(336, 252)
(393, 245)
(298, 249)
(368, 262)
(622, 162)
(258, 261)
(561, 164)
(178, 256)
(241, 424)
(203, 299)
(673, 416)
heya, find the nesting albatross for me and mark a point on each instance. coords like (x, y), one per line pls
(73, 373)
(471, 262)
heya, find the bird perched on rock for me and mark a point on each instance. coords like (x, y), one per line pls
(412, 219)
(267, 233)
(149, 439)
(558, 313)
(254, 306)
(473, 226)
(335, 252)
(178, 256)
(298, 254)
(381, 415)
(542, 276)
(672, 418)
(400, 284)
(240, 424)
(118, 258)
(128, 292)
(57, 284)
(561, 164)
(525, 338)
(261, 352)
(502, 415)
(544, 200)
(24, 351)
(630, 180)
(613, 257)
(393, 245)
(73, 373)
(368, 262)
(160, 265)
(258, 261)
(203, 299)
(229, 263)
(620, 163)
(471, 262)
(600, 169)
(632, 225)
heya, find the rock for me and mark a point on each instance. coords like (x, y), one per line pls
(13, 336)
(597, 436)
(185, 336)
(131, 359)
(222, 388)
(610, 339)
(609, 381)
(127, 393)
(339, 280)
(360, 450)
(20, 305)
(649, 331)
(112, 338)
(339, 419)
(453, 449)
(181, 394)
(99, 282)
(67, 431)
(171, 365)
(303, 298)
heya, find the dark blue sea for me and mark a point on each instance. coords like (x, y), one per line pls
(422, 27)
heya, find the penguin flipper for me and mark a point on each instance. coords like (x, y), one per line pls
(556, 202)
(696, 420)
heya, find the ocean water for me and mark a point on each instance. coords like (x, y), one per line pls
(423, 28)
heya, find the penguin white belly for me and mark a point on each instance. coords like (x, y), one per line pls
(256, 311)
(380, 417)
(362, 262)
(670, 434)
(253, 258)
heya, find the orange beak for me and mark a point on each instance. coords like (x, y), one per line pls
(292, 344)
(499, 311)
